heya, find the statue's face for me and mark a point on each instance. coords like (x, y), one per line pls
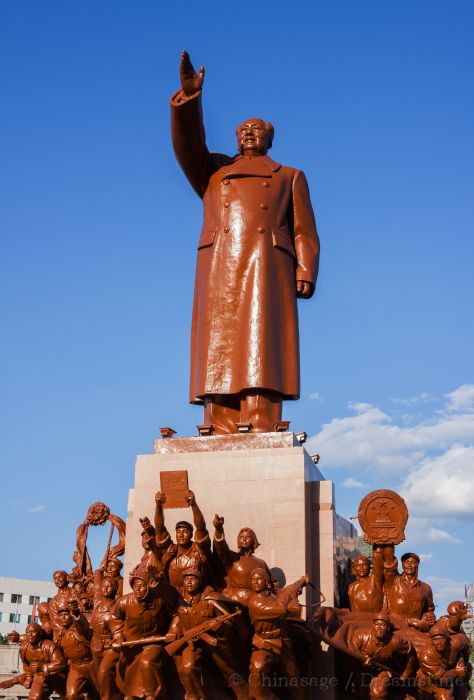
(112, 568)
(439, 642)
(192, 584)
(65, 618)
(60, 578)
(410, 566)
(33, 634)
(183, 535)
(140, 588)
(258, 582)
(108, 587)
(361, 567)
(245, 539)
(253, 138)
(380, 628)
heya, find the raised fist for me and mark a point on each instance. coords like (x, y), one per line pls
(190, 498)
(160, 498)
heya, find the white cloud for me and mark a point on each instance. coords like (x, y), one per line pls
(423, 397)
(316, 396)
(351, 483)
(373, 440)
(36, 509)
(461, 399)
(434, 534)
(442, 485)
(445, 590)
(425, 557)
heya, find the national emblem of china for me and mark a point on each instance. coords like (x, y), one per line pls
(382, 516)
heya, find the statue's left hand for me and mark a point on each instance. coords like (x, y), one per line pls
(304, 289)
(190, 498)
(191, 81)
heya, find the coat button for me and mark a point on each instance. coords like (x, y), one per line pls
(265, 184)
(263, 206)
(227, 205)
(261, 230)
(226, 182)
(227, 229)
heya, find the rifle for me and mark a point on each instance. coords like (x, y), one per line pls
(199, 630)
(16, 680)
(190, 635)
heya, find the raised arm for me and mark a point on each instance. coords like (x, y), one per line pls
(199, 522)
(162, 535)
(187, 127)
(220, 546)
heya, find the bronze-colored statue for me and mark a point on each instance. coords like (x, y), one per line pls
(113, 567)
(407, 596)
(271, 646)
(196, 606)
(45, 620)
(137, 616)
(62, 596)
(459, 643)
(43, 663)
(386, 654)
(238, 565)
(258, 251)
(439, 674)
(73, 636)
(366, 592)
(186, 552)
(104, 655)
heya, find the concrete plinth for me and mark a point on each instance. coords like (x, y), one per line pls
(267, 482)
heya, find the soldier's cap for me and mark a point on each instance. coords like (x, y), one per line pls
(384, 617)
(438, 632)
(260, 571)
(192, 571)
(409, 555)
(184, 523)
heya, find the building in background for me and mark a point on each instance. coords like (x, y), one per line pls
(468, 624)
(19, 600)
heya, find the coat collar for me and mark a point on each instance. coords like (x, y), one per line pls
(256, 165)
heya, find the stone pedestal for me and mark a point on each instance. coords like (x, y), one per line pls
(267, 482)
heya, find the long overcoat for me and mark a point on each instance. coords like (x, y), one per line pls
(258, 238)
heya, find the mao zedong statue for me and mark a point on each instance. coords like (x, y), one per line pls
(258, 251)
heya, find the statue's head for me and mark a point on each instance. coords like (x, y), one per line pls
(64, 616)
(34, 633)
(192, 580)
(142, 582)
(360, 566)
(113, 567)
(410, 563)
(109, 587)
(439, 639)
(259, 580)
(60, 578)
(254, 137)
(43, 611)
(381, 625)
(184, 532)
(247, 539)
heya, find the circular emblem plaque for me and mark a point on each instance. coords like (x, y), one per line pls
(382, 516)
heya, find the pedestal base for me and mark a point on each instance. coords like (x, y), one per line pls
(267, 482)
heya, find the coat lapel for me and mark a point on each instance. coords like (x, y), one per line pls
(258, 166)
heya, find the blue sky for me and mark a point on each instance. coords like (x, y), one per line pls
(374, 102)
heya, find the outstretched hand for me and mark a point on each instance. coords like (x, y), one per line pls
(191, 81)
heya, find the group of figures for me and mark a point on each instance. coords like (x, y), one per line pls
(388, 640)
(204, 621)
